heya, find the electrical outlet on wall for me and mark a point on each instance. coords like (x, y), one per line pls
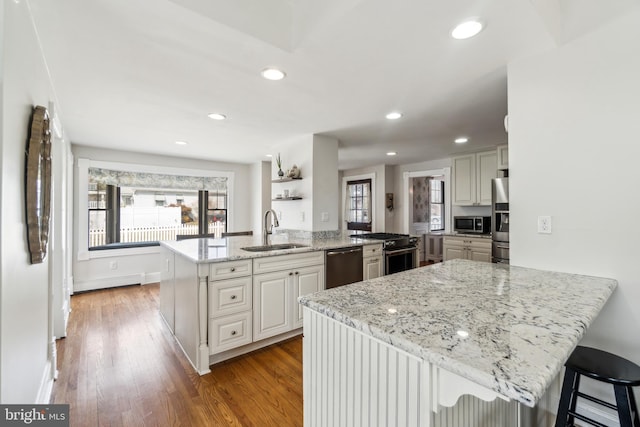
(544, 224)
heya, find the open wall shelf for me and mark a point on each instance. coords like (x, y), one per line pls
(286, 198)
(285, 179)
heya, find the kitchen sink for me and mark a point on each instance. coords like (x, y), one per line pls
(265, 248)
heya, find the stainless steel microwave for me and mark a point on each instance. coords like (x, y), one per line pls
(472, 224)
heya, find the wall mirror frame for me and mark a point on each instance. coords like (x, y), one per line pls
(38, 184)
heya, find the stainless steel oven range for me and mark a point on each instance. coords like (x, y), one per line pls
(400, 250)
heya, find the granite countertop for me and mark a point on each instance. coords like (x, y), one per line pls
(205, 250)
(509, 329)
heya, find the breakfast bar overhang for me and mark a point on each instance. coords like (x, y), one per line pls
(394, 350)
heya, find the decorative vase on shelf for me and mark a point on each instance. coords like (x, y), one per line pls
(279, 164)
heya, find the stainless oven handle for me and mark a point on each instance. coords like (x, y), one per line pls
(502, 247)
(401, 251)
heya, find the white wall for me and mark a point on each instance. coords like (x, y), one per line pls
(141, 265)
(261, 183)
(573, 154)
(325, 183)
(389, 187)
(25, 374)
(317, 158)
(295, 214)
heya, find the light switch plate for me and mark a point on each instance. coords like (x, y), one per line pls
(544, 224)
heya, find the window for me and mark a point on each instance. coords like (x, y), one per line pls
(428, 202)
(358, 205)
(139, 209)
(436, 204)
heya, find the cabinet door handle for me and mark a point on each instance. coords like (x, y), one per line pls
(291, 273)
(233, 332)
(233, 297)
(296, 273)
(233, 269)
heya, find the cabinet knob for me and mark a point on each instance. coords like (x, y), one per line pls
(291, 273)
(296, 273)
(233, 332)
(233, 269)
(233, 297)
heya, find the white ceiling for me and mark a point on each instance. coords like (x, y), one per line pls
(138, 75)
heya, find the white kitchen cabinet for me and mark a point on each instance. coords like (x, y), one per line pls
(472, 175)
(433, 247)
(272, 300)
(307, 280)
(230, 305)
(229, 332)
(503, 157)
(463, 247)
(276, 291)
(372, 261)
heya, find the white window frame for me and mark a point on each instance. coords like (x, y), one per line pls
(345, 179)
(82, 219)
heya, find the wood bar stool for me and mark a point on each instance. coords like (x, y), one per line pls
(601, 366)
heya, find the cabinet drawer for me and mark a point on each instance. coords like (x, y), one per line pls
(371, 250)
(229, 332)
(481, 244)
(229, 269)
(285, 262)
(230, 296)
(455, 241)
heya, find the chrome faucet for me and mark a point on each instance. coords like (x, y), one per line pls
(268, 230)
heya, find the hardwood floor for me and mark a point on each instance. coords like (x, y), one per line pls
(120, 366)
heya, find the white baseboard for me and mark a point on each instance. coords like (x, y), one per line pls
(46, 386)
(590, 410)
(115, 281)
(594, 412)
(108, 282)
(151, 278)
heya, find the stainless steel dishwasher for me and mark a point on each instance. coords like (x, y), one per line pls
(343, 266)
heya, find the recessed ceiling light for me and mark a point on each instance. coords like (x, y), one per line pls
(391, 153)
(467, 29)
(216, 116)
(181, 142)
(394, 115)
(273, 74)
(461, 140)
(269, 155)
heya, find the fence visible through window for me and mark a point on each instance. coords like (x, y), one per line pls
(153, 234)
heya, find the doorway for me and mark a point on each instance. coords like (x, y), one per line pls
(427, 209)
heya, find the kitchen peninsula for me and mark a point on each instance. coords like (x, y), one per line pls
(397, 349)
(225, 297)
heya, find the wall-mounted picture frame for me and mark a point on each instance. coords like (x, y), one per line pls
(38, 184)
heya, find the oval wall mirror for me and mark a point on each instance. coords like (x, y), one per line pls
(38, 184)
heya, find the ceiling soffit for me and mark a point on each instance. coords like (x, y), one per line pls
(281, 23)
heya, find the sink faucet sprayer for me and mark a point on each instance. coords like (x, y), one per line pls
(268, 230)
